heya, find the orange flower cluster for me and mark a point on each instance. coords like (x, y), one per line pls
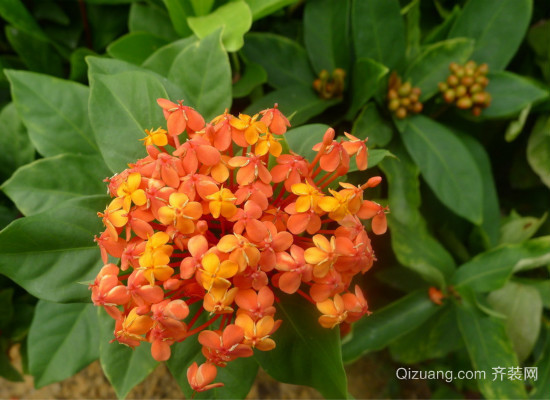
(214, 223)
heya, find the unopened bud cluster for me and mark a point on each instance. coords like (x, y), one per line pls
(403, 97)
(466, 87)
(328, 86)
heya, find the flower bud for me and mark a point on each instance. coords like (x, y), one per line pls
(479, 98)
(461, 91)
(417, 107)
(393, 105)
(405, 102)
(483, 69)
(442, 86)
(464, 103)
(401, 113)
(452, 80)
(405, 89)
(467, 81)
(475, 88)
(476, 111)
(449, 95)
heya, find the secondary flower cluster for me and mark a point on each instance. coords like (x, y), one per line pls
(207, 227)
(466, 87)
(328, 86)
(403, 99)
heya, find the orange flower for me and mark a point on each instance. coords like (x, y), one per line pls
(199, 378)
(222, 203)
(130, 192)
(155, 137)
(249, 127)
(215, 274)
(179, 117)
(181, 213)
(334, 312)
(275, 120)
(256, 334)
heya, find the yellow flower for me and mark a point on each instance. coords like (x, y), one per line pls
(130, 191)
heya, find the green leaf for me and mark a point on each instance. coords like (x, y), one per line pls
(162, 60)
(491, 208)
(489, 348)
(7, 370)
(284, 60)
(49, 253)
(299, 101)
(376, 156)
(518, 229)
(238, 376)
(206, 78)
(55, 112)
(149, 17)
(311, 355)
(441, 31)
(367, 74)
(36, 52)
(301, 140)
(541, 386)
(538, 149)
(510, 93)
(446, 165)
(123, 366)
(36, 187)
(498, 26)
(253, 76)
(63, 339)
(235, 18)
(124, 103)
(14, 12)
(412, 11)
(432, 64)
(107, 23)
(262, 8)
(516, 127)
(492, 269)
(16, 146)
(388, 324)
(522, 305)
(6, 307)
(378, 31)
(542, 286)
(202, 7)
(538, 37)
(412, 243)
(370, 124)
(435, 338)
(79, 68)
(179, 11)
(135, 47)
(328, 48)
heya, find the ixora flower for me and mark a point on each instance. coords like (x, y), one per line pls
(210, 226)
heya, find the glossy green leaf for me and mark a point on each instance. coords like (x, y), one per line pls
(541, 386)
(302, 139)
(412, 243)
(63, 339)
(135, 47)
(15, 12)
(510, 93)
(206, 78)
(253, 76)
(517, 229)
(300, 102)
(432, 64)
(269, 50)
(202, 7)
(446, 165)
(7, 215)
(538, 149)
(401, 278)
(522, 305)
(489, 347)
(492, 269)
(328, 47)
(435, 338)
(35, 51)
(376, 156)
(79, 68)
(491, 208)
(124, 103)
(538, 37)
(16, 146)
(238, 376)
(123, 366)
(55, 112)
(36, 187)
(152, 18)
(516, 127)
(311, 355)
(378, 31)
(49, 253)
(441, 31)
(367, 75)
(498, 27)
(162, 60)
(179, 11)
(412, 18)
(262, 8)
(384, 326)
(235, 18)
(370, 124)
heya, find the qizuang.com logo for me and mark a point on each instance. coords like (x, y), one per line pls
(448, 376)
